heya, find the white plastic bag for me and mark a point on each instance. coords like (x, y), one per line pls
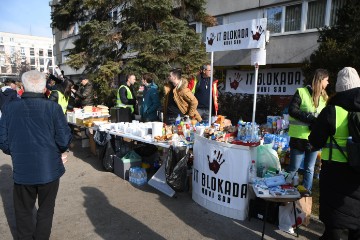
(287, 218)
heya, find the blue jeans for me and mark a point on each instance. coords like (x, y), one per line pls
(296, 157)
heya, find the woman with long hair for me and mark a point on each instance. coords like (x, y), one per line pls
(304, 108)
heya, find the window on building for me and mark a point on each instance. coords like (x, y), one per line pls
(49, 53)
(115, 15)
(2, 60)
(41, 69)
(12, 50)
(293, 18)
(11, 39)
(32, 67)
(1, 39)
(41, 52)
(64, 56)
(32, 61)
(3, 69)
(316, 14)
(22, 51)
(32, 52)
(13, 69)
(41, 61)
(2, 48)
(335, 6)
(274, 16)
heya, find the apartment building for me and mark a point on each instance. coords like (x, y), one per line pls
(293, 37)
(19, 52)
(293, 34)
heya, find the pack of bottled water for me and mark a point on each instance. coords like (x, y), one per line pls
(246, 133)
(137, 176)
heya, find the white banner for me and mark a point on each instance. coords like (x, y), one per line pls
(277, 81)
(220, 177)
(234, 36)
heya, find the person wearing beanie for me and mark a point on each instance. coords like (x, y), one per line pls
(339, 184)
(304, 107)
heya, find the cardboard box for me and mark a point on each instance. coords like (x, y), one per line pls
(121, 168)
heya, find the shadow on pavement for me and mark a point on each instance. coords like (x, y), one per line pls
(112, 223)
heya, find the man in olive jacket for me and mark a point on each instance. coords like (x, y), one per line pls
(34, 131)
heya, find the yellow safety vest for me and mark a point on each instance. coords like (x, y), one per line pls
(62, 101)
(341, 135)
(300, 129)
(128, 96)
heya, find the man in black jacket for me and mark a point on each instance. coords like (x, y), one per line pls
(85, 93)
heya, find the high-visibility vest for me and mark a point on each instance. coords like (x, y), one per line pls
(299, 129)
(341, 135)
(62, 101)
(128, 96)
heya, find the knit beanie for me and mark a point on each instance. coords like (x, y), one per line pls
(347, 78)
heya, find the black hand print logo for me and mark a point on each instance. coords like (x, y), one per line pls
(211, 39)
(257, 35)
(216, 162)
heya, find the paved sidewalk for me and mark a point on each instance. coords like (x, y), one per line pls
(94, 204)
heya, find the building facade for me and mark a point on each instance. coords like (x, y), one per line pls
(293, 34)
(19, 53)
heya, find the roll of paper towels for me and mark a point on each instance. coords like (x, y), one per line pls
(157, 129)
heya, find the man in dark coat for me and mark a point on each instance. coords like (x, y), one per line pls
(34, 131)
(85, 93)
(339, 184)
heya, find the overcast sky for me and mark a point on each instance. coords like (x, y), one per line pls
(30, 17)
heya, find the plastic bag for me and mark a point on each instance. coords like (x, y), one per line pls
(287, 218)
(106, 156)
(176, 167)
(266, 158)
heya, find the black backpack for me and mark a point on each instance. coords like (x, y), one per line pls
(353, 143)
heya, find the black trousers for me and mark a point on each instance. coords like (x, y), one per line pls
(24, 203)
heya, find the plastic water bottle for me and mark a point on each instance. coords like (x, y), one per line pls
(252, 172)
(248, 132)
(296, 180)
(177, 120)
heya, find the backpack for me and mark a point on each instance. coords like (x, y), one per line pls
(353, 143)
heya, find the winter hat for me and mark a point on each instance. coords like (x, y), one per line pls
(347, 78)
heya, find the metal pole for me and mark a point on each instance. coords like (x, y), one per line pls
(255, 96)
(211, 85)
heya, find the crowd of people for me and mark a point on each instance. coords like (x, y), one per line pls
(34, 131)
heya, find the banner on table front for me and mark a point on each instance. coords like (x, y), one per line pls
(274, 81)
(234, 36)
(220, 173)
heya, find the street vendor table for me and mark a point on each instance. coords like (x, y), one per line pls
(158, 180)
(220, 176)
(278, 199)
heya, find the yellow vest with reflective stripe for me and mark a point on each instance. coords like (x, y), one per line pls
(62, 101)
(300, 129)
(128, 96)
(341, 135)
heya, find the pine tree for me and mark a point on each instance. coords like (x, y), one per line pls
(339, 45)
(148, 36)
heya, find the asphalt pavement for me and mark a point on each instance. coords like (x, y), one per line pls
(94, 204)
